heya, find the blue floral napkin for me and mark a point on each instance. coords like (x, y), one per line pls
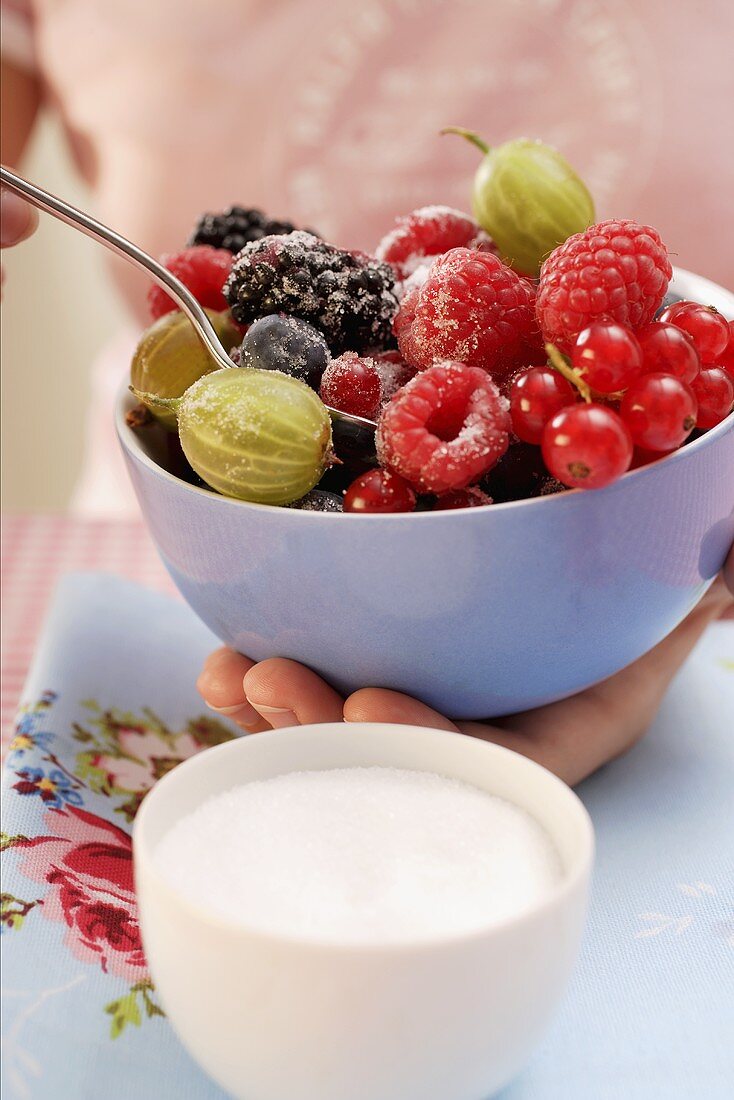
(110, 706)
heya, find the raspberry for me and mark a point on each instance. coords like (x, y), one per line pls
(352, 384)
(202, 269)
(445, 429)
(394, 373)
(615, 271)
(471, 309)
(348, 296)
(430, 231)
(235, 227)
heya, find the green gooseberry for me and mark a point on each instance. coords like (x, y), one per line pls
(170, 357)
(528, 198)
(257, 435)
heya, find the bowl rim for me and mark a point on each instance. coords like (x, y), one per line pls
(131, 442)
(571, 880)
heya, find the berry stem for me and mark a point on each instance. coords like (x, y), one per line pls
(171, 403)
(469, 135)
(558, 362)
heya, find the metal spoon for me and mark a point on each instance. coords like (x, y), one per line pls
(88, 225)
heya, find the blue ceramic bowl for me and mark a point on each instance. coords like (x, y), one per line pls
(479, 612)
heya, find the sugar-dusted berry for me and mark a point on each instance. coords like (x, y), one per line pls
(428, 232)
(319, 501)
(472, 309)
(236, 226)
(352, 383)
(203, 270)
(445, 429)
(347, 295)
(287, 344)
(394, 373)
(379, 491)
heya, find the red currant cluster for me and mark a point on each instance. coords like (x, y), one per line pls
(625, 398)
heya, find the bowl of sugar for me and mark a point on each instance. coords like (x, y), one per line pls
(369, 911)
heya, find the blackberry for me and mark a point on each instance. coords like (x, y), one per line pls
(236, 227)
(287, 344)
(348, 296)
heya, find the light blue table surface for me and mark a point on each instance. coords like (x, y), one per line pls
(650, 1011)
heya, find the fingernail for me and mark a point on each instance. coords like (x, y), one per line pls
(16, 218)
(278, 717)
(242, 712)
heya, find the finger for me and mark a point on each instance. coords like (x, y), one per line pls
(382, 705)
(285, 693)
(17, 219)
(221, 685)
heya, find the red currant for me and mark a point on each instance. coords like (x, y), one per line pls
(536, 395)
(669, 350)
(472, 497)
(587, 446)
(714, 390)
(726, 359)
(607, 356)
(379, 491)
(704, 324)
(660, 412)
(353, 385)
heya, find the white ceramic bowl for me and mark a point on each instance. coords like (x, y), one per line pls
(277, 1018)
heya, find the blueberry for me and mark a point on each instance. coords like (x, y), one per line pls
(319, 501)
(287, 344)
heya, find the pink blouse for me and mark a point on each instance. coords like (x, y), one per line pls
(328, 114)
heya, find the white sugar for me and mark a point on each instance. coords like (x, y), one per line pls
(360, 855)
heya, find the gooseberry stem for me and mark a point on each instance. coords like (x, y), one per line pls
(171, 403)
(558, 362)
(469, 135)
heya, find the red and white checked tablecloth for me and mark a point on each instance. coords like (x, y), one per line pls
(36, 551)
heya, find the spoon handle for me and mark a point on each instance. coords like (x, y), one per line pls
(88, 225)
